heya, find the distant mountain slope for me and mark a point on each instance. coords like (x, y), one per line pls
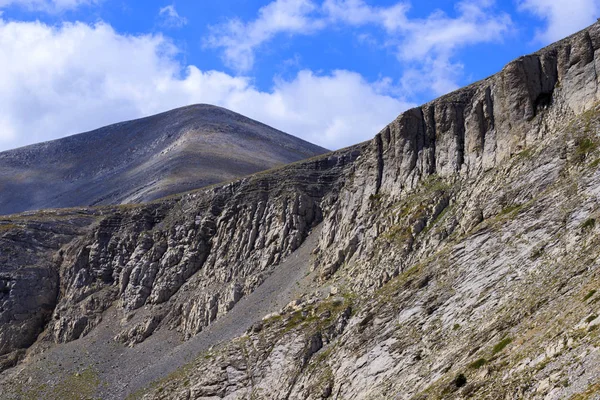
(144, 159)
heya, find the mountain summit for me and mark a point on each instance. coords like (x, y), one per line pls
(144, 159)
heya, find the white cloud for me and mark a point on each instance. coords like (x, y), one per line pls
(47, 5)
(171, 18)
(74, 78)
(357, 12)
(425, 46)
(563, 17)
(440, 33)
(239, 39)
(428, 46)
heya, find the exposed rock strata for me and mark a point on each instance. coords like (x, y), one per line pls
(463, 240)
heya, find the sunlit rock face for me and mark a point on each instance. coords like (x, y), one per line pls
(455, 255)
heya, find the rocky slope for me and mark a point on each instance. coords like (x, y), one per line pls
(144, 159)
(453, 256)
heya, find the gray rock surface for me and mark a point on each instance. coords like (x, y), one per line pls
(144, 159)
(453, 256)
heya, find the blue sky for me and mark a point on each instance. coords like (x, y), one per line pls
(333, 72)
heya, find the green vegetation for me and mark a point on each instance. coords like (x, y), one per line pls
(589, 295)
(588, 223)
(591, 318)
(478, 363)
(375, 199)
(77, 386)
(456, 327)
(460, 380)
(514, 208)
(398, 234)
(501, 345)
(584, 148)
(389, 290)
(525, 154)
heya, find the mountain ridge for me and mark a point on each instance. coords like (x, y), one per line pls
(144, 159)
(453, 256)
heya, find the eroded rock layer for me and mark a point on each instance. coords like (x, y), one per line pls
(457, 257)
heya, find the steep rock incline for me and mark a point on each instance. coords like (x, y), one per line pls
(144, 159)
(29, 277)
(461, 137)
(465, 242)
(460, 244)
(188, 259)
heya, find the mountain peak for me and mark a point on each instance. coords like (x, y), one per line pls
(144, 159)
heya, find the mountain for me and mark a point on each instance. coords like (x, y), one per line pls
(455, 255)
(144, 159)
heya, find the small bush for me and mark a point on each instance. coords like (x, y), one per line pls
(456, 327)
(501, 345)
(460, 380)
(588, 223)
(478, 363)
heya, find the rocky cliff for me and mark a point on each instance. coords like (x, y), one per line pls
(453, 256)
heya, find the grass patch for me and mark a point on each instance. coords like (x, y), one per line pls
(526, 154)
(501, 345)
(389, 290)
(589, 295)
(512, 209)
(584, 148)
(478, 363)
(398, 234)
(77, 386)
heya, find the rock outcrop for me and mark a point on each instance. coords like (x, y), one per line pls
(455, 256)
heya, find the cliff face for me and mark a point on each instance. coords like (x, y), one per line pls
(453, 256)
(190, 259)
(462, 138)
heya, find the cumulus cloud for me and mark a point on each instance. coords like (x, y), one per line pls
(423, 45)
(47, 5)
(78, 77)
(563, 17)
(428, 46)
(357, 12)
(239, 39)
(170, 18)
